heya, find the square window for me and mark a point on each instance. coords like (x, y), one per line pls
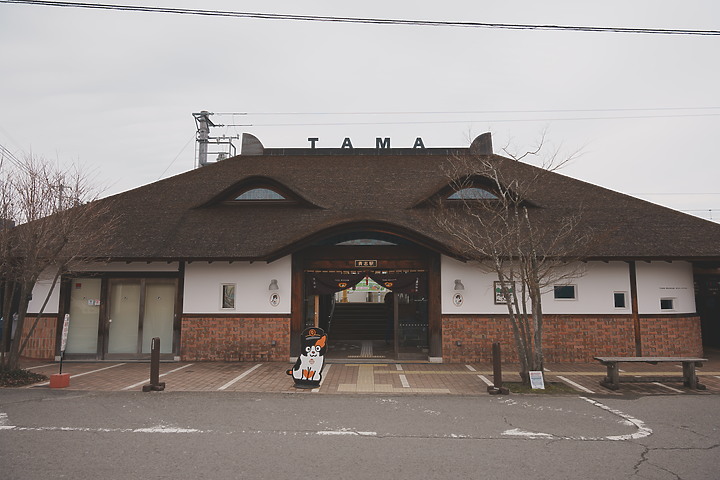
(564, 292)
(667, 304)
(620, 299)
(228, 295)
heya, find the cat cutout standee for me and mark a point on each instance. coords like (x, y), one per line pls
(307, 371)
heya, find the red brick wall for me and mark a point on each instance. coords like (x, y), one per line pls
(569, 338)
(671, 336)
(233, 339)
(42, 343)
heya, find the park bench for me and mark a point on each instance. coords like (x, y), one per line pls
(689, 377)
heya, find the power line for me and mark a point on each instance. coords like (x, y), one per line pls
(367, 20)
(492, 120)
(474, 112)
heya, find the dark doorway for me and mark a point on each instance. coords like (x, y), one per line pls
(707, 301)
(370, 314)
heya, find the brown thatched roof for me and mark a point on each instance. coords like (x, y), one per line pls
(187, 217)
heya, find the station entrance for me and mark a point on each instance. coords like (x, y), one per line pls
(377, 314)
(375, 303)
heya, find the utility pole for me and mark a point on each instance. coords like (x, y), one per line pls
(204, 124)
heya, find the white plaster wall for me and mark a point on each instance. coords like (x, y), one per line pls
(595, 282)
(595, 285)
(658, 280)
(203, 286)
(478, 296)
(40, 291)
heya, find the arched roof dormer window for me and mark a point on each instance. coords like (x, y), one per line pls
(258, 191)
(472, 193)
(260, 194)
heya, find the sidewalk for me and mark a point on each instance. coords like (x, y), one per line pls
(364, 378)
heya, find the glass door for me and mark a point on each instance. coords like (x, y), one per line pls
(85, 294)
(124, 316)
(159, 313)
(139, 310)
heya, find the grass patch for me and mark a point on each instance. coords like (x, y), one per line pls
(19, 377)
(550, 387)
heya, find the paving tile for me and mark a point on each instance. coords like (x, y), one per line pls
(409, 378)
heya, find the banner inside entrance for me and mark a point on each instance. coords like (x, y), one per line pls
(320, 283)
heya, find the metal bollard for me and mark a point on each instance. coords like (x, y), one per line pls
(497, 388)
(155, 383)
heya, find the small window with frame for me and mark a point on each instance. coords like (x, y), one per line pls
(565, 292)
(228, 296)
(620, 299)
(667, 304)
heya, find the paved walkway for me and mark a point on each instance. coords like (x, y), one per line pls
(366, 378)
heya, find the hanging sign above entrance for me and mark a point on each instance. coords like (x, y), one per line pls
(366, 263)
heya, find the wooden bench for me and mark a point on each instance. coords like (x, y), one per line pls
(689, 377)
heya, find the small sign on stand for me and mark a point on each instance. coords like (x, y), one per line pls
(62, 380)
(537, 382)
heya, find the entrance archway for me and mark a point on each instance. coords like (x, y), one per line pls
(370, 314)
(416, 320)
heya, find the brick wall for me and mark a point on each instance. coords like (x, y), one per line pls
(232, 339)
(42, 343)
(671, 336)
(570, 338)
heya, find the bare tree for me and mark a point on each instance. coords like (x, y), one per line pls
(48, 205)
(496, 223)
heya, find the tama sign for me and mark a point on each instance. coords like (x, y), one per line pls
(380, 142)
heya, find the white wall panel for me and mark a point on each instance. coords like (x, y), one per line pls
(658, 280)
(203, 286)
(39, 293)
(595, 282)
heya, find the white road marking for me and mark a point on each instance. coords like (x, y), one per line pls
(39, 366)
(546, 369)
(346, 432)
(240, 377)
(404, 381)
(398, 367)
(79, 375)
(162, 375)
(516, 432)
(322, 380)
(486, 380)
(642, 430)
(470, 367)
(4, 422)
(574, 384)
(668, 387)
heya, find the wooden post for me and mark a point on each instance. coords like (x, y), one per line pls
(497, 387)
(635, 311)
(155, 383)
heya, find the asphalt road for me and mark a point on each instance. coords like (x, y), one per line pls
(114, 435)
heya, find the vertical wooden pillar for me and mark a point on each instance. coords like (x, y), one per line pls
(297, 307)
(434, 306)
(635, 310)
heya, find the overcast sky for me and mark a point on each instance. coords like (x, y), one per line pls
(115, 91)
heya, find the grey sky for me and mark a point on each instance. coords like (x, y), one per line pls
(115, 90)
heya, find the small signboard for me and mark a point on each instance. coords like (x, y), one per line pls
(500, 295)
(536, 380)
(64, 337)
(365, 263)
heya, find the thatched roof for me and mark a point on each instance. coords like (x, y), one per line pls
(188, 216)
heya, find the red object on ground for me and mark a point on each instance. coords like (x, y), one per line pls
(60, 380)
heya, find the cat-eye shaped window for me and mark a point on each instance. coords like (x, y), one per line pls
(472, 193)
(260, 194)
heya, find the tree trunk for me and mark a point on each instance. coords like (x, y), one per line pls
(14, 357)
